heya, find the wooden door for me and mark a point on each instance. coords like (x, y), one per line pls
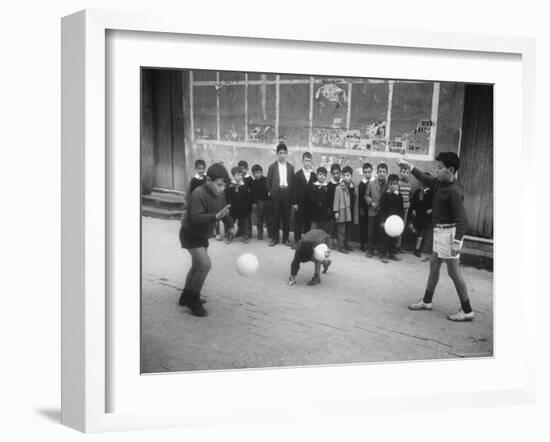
(476, 159)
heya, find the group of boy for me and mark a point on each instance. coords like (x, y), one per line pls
(318, 201)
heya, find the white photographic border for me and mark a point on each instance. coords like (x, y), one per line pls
(92, 372)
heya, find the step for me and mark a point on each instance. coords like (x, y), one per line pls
(163, 200)
(159, 212)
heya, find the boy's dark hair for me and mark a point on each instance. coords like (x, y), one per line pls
(334, 167)
(393, 178)
(449, 159)
(282, 146)
(304, 252)
(321, 170)
(367, 166)
(200, 163)
(347, 169)
(217, 171)
(257, 168)
(235, 170)
(243, 163)
(307, 155)
(382, 166)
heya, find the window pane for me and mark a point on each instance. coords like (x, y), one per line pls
(261, 114)
(294, 114)
(204, 111)
(232, 118)
(411, 117)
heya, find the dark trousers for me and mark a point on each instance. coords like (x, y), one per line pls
(243, 224)
(363, 229)
(343, 232)
(263, 216)
(374, 236)
(281, 212)
(302, 222)
(388, 245)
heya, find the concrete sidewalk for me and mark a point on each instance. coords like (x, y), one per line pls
(357, 314)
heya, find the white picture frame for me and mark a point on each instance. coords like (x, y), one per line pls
(86, 205)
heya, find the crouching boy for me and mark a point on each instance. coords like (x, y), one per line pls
(305, 252)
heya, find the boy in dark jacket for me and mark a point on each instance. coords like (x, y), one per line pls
(421, 216)
(335, 172)
(260, 201)
(391, 203)
(247, 179)
(363, 208)
(199, 178)
(318, 201)
(239, 196)
(303, 179)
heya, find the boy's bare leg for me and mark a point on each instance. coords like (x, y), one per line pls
(317, 267)
(189, 277)
(433, 278)
(453, 269)
(202, 264)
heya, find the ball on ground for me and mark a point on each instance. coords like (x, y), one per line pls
(394, 226)
(321, 252)
(247, 264)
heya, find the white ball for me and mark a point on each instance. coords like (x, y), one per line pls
(394, 226)
(321, 252)
(247, 264)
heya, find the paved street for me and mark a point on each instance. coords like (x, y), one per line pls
(357, 314)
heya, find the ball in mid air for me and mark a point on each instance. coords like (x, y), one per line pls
(247, 264)
(394, 226)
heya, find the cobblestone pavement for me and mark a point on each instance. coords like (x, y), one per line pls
(357, 314)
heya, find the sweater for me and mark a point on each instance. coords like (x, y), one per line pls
(447, 202)
(259, 190)
(405, 191)
(200, 218)
(240, 198)
(391, 204)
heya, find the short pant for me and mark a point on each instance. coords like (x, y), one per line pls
(443, 240)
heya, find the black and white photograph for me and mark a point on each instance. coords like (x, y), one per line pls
(300, 220)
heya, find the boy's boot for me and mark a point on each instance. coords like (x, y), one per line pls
(195, 305)
(315, 280)
(184, 298)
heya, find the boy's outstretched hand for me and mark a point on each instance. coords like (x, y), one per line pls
(403, 163)
(222, 213)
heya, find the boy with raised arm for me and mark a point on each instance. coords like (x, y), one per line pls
(449, 225)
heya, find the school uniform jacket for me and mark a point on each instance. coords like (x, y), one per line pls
(343, 204)
(373, 193)
(273, 178)
(301, 187)
(319, 203)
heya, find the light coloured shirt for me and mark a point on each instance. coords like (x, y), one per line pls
(307, 174)
(282, 174)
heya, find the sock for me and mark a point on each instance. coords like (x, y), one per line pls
(466, 308)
